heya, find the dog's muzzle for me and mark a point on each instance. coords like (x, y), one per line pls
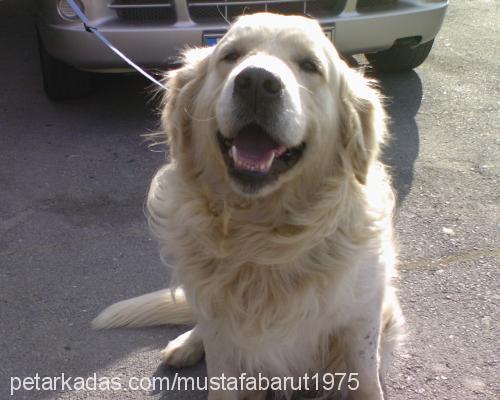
(254, 150)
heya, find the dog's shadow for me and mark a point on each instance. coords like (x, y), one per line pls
(176, 382)
(173, 383)
(403, 93)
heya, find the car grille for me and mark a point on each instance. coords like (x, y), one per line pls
(145, 10)
(219, 11)
(363, 4)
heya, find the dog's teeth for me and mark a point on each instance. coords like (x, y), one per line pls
(233, 153)
(248, 165)
(280, 150)
(268, 164)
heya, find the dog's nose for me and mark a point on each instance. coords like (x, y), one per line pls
(255, 84)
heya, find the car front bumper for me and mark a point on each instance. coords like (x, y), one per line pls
(156, 45)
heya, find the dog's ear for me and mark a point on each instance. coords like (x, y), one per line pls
(363, 122)
(182, 86)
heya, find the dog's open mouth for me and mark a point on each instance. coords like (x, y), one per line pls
(254, 157)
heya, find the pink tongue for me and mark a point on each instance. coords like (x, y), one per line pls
(254, 145)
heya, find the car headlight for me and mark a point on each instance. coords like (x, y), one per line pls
(66, 12)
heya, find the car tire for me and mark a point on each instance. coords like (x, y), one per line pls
(400, 57)
(62, 81)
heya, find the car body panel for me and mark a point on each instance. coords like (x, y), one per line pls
(154, 44)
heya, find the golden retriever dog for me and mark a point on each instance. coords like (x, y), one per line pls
(276, 212)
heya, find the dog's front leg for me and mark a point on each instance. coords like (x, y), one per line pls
(221, 367)
(184, 351)
(361, 343)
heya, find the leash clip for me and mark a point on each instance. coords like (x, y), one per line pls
(88, 28)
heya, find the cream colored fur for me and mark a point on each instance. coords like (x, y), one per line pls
(294, 279)
(147, 310)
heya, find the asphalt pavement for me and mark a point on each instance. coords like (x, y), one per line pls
(73, 236)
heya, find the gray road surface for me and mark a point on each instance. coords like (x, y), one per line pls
(73, 238)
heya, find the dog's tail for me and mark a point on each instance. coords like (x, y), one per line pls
(152, 309)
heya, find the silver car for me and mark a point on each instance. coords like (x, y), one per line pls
(395, 35)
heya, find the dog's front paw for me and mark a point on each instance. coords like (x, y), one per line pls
(184, 351)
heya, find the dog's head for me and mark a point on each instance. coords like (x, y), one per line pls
(271, 103)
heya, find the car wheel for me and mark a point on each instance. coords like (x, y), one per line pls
(62, 81)
(400, 57)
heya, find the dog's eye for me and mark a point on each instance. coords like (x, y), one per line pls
(231, 56)
(310, 66)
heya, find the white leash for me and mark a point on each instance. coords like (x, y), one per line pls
(91, 29)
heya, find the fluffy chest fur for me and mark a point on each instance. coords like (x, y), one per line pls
(263, 283)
